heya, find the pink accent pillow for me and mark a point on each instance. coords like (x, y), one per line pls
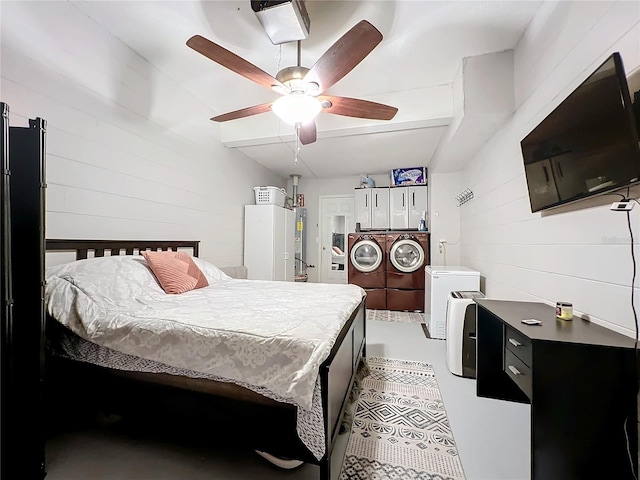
(176, 271)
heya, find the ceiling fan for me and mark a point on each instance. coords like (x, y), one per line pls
(302, 89)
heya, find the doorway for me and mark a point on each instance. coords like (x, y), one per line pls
(336, 221)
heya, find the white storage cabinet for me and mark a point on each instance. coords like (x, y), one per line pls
(269, 242)
(406, 205)
(372, 208)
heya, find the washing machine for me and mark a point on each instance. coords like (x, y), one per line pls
(367, 267)
(407, 255)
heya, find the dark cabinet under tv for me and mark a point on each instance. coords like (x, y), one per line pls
(580, 379)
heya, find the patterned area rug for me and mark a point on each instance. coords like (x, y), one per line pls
(393, 316)
(400, 429)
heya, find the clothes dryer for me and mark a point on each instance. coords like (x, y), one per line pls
(367, 267)
(407, 255)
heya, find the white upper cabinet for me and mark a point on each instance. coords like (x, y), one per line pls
(398, 208)
(363, 207)
(372, 208)
(417, 205)
(380, 208)
(406, 205)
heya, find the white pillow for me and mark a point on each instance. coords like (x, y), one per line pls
(210, 271)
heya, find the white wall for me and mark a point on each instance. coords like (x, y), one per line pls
(444, 217)
(580, 253)
(116, 167)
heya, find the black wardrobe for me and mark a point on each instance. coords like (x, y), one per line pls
(22, 245)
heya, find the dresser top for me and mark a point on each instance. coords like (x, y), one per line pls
(552, 329)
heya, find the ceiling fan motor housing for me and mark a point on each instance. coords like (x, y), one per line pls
(283, 20)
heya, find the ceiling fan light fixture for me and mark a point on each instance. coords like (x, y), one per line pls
(296, 108)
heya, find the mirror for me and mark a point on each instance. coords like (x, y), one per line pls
(338, 235)
(338, 239)
(336, 217)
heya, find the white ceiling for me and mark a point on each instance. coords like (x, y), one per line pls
(412, 68)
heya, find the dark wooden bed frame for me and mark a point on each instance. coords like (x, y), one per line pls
(239, 416)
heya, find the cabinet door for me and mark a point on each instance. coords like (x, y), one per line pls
(398, 208)
(363, 207)
(417, 197)
(380, 208)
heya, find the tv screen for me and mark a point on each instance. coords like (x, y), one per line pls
(588, 145)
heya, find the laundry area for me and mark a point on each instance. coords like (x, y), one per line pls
(389, 256)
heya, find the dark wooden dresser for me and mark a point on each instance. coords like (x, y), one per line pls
(580, 379)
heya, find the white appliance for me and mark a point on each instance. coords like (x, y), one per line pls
(284, 21)
(438, 283)
(269, 242)
(461, 332)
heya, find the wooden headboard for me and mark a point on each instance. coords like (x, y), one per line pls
(117, 247)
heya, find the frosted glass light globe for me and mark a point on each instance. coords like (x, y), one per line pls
(296, 108)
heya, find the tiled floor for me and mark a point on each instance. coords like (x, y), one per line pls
(492, 436)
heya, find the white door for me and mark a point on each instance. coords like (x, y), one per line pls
(336, 222)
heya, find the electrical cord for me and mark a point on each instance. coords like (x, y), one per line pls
(624, 199)
(635, 319)
(633, 257)
(442, 246)
(633, 278)
(626, 437)
(443, 250)
(305, 263)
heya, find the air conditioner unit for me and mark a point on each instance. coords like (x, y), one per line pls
(283, 20)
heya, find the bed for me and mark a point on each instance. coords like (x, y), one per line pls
(291, 409)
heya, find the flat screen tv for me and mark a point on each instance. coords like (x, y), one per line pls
(588, 145)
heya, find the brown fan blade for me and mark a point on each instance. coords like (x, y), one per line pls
(354, 107)
(233, 62)
(344, 55)
(243, 112)
(308, 132)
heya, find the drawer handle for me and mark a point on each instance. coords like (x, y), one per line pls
(514, 370)
(515, 342)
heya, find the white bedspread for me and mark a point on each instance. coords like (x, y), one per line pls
(269, 334)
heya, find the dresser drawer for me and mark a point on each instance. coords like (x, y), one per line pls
(518, 372)
(517, 343)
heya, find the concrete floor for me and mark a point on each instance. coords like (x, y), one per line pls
(492, 436)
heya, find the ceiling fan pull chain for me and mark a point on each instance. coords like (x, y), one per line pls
(279, 58)
(295, 158)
